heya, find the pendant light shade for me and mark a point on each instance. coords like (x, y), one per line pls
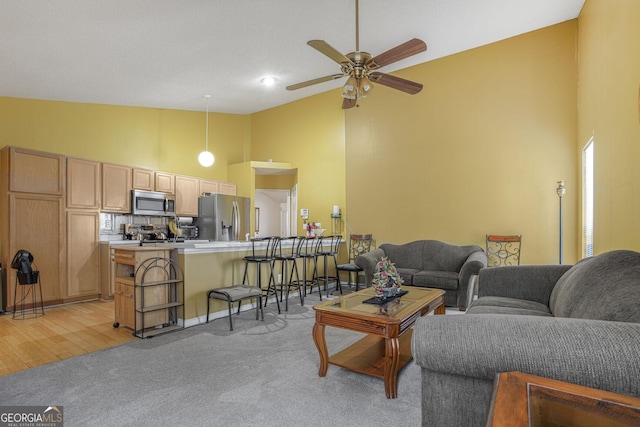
(206, 158)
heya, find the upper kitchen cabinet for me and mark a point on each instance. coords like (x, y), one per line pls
(207, 186)
(116, 188)
(143, 179)
(228, 188)
(33, 171)
(83, 184)
(165, 182)
(187, 193)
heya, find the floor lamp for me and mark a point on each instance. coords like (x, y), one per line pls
(560, 190)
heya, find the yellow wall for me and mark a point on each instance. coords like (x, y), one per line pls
(609, 91)
(477, 152)
(309, 134)
(167, 140)
(276, 182)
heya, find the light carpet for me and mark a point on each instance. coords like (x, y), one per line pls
(261, 374)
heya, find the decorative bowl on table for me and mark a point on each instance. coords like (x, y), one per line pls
(318, 231)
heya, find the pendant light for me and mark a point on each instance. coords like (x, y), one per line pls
(206, 158)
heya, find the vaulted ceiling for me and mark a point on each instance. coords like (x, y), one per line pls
(169, 54)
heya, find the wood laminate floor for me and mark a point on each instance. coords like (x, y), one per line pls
(63, 332)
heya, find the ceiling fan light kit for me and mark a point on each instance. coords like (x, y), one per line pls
(360, 68)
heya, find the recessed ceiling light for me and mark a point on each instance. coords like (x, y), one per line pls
(268, 81)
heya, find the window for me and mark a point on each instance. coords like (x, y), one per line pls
(587, 199)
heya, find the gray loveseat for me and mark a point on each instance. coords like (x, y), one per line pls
(579, 324)
(431, 264)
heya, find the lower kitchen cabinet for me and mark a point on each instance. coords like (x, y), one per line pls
(83, 254)
(124, 311)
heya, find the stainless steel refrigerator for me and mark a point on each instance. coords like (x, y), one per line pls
(223, 218)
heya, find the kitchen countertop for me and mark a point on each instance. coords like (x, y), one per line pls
(189, 246)
(192, 246)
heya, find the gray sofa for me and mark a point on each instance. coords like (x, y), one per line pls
(579, 324)
(431, 264)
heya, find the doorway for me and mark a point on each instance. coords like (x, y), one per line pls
(275, 212)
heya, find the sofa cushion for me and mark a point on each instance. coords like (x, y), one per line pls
(406, 274)
(404, 256)
(604, 287)
(440, 256)
(505, 305)
(436, 279)
(429, 255)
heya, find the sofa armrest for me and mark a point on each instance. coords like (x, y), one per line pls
(367, 262)
(528, 282)
(471, 267)
(593, 353)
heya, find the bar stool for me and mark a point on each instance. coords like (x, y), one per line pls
(358, 244)
(262, 252)
(328, 247)
(287, 257)
(307, 252)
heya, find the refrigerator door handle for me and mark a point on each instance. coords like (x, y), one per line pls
(235, 220)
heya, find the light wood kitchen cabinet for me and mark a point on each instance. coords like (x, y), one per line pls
(116, 188)
(83, 184)
(165, 182)
(34, 171)
(123, 304)
(83, 254)
(126, 262)
(106, 271)
(187, 193)
(143, 179)
(228, 188)
(207, 186)
(35, 223)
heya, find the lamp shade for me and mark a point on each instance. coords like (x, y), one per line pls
(350, 88)
(365, 87)
(206, 158)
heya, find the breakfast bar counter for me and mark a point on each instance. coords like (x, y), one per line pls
(205, 265)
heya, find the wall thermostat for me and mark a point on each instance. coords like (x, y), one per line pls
(304, 213)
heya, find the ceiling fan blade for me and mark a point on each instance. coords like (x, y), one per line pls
(348, 103)
(405, 50)
(324, 48)
(396, 83)
(314, 81)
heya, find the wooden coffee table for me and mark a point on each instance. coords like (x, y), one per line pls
(387, 346)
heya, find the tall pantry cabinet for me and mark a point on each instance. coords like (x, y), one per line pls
(31, 218)
(83, 228)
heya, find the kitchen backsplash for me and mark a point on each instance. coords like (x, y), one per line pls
(112, 225)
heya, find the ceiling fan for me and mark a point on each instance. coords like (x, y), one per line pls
(360, 68)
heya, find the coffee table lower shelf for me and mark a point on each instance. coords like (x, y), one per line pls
(367, 355)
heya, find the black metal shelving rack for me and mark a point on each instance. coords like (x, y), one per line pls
(156, 272)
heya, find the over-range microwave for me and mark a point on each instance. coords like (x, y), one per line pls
(152, 203)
